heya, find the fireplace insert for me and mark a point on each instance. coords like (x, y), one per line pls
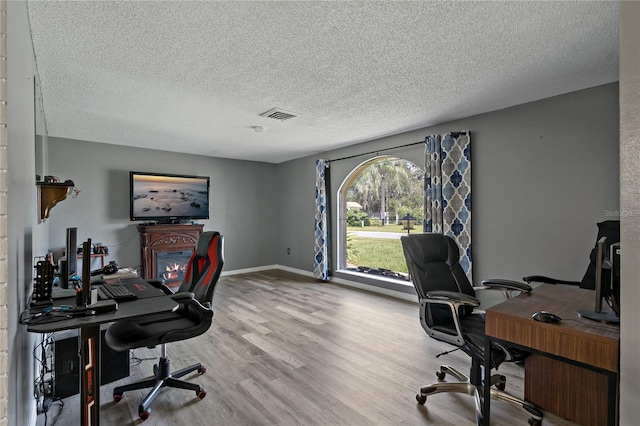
(172, 265)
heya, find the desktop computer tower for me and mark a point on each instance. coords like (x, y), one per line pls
(66, 365)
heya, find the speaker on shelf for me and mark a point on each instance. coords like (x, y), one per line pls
(66, 365)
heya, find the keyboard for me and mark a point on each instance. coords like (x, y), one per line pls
(115, 291)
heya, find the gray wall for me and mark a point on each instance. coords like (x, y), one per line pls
(243, 199)
(630, 204)
(26, 238)
(544, 174)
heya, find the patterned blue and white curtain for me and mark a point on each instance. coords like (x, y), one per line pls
(432, 185)
(321, 266)
(447, 190)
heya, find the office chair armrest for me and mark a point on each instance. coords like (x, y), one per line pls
(200, 309)
(159, 284)
(455, 301)
(508, 288)
(452, 297)
(497, 283)
(547, 280)
(183, 297)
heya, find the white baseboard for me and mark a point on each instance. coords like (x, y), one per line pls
(333, 280)
(248, 270)
(295, 270)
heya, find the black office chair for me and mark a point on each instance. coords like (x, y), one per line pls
(607, 228)
(447, 302)
(192, 318)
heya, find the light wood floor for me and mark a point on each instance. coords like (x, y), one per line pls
(288, 350)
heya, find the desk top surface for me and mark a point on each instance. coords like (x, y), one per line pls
(128, 309)
(580, 339)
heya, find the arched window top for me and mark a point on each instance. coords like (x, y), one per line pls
(373, 198)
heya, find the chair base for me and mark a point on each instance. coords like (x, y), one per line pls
(464, 385)
(162, 377)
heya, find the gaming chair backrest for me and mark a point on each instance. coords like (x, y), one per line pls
(204, 267)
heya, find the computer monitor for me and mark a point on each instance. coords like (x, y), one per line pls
(68, 264)
(615, 278)
(603, 269)
(72, 252)
(86, 272)
(603, 287)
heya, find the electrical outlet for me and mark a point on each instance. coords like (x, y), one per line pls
(288, 250)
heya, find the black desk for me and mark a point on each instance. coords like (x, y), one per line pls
(89, 326)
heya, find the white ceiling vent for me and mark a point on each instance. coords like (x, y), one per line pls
(279, 114)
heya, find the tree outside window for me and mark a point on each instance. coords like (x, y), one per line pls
(380, 193)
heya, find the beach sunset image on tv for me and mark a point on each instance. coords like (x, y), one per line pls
(165, 196)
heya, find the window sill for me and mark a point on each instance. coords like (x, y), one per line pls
(394, 284)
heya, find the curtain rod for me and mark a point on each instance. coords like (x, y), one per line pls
(454, 134)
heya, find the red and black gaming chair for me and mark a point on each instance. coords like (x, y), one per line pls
(192, 318)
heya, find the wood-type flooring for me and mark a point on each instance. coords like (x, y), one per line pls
(286, 349)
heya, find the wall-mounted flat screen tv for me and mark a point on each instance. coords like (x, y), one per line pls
(168, 198)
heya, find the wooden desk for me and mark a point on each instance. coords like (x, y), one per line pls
(89, 326)
(573, 371)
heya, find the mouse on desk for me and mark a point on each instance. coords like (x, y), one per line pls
(545, 316)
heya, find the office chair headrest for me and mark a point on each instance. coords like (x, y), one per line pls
(432, 247)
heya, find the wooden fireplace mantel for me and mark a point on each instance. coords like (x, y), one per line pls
(156, 239)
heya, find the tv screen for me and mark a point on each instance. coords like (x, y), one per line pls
(168, 198)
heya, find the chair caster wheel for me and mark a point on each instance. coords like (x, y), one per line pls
(535, 422)
(201, 393)
(501, 386)
(144, 415)
(421, 399)
(202, 370)
(440, 375)
(117, 397)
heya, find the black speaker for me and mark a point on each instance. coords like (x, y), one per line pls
(64, 272)
(114, 365)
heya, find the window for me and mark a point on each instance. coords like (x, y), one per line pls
(372, 200)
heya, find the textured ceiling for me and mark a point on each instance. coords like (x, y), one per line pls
(195, 76)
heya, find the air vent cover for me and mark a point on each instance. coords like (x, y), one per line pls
(278, 114)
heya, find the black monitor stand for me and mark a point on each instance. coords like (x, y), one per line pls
(609, 317)
(602, 288)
